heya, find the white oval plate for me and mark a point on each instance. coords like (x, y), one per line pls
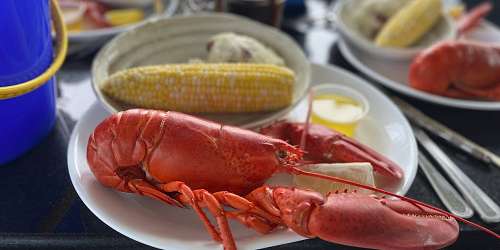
(106, 33)
(156, 224)
(394, 74)
(128, 3)
(85, 42)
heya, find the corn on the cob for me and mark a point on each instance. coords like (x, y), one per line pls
(409, 24)
(204, 88)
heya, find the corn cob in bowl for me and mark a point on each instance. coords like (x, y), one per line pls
(409, 24)
(402, 33)
(178, 40)
(204, 88)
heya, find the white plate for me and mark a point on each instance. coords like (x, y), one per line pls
(394, 75)
(93, 39)
(158, 225)
(128, 3)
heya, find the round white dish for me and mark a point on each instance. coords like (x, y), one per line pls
(179, 39)
(92, 39)
(128, 3)
(156, 224)
(445, 29)
(394, 75)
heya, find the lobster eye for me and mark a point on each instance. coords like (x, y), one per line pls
(282, 154)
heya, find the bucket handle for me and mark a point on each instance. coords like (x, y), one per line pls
(61, 49)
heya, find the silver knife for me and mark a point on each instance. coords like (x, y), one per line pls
(487, 209)
(448, 195)
(447, 134)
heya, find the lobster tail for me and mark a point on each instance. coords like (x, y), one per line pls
(117, 148)
(113, 151)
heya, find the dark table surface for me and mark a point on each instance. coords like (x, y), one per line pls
(40, 209)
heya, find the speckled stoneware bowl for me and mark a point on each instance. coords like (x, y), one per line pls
(178, 39)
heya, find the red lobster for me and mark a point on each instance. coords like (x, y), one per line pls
(185, 161)
(96, 13)
(460, 69)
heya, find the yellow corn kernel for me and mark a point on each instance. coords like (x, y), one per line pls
(204, 88)
(410, 23)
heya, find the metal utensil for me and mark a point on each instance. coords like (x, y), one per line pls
(448, 195)
(447, 134)
(487, 209)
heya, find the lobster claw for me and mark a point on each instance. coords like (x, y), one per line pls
(364, 221)
(328, 146)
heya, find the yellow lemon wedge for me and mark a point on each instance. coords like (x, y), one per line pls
(360, 172)
(119, 17)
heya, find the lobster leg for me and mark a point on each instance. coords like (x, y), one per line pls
(142, 187)
(242, 204)
(218, 212)
(473, 17)
(454, 93)
(248, 212)
(202, 198)
(252, 221)
(186, 191)
(492, 93)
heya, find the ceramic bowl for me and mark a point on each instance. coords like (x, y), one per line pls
(179, 39)
(445, 29)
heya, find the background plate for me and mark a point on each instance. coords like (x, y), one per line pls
(155, 224)
(394, 75)
(86, 42)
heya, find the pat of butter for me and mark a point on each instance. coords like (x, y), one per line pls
(360, 172)
(337, 109)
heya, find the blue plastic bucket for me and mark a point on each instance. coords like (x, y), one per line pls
(27, 113)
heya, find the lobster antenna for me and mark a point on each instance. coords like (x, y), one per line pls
(417, 203)
(473, 18)
(302, 144)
